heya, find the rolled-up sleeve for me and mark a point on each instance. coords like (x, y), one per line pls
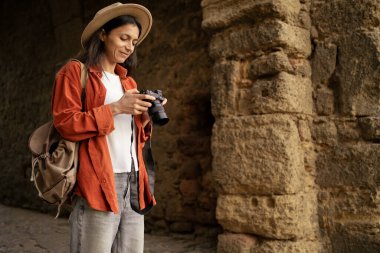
(69, 119)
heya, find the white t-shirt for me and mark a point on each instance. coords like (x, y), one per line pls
(119, 140)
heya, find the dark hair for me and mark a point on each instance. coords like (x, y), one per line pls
(93, 49)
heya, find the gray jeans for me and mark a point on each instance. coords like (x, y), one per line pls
(94, 231)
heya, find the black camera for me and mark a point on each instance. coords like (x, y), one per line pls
(156, 111)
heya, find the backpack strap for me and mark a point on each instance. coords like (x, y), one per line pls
(83, 81)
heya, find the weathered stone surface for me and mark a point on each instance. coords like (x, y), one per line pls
(358, 86)
(345, 202)
(275, 217)
(223, 87)
(257, 154)
(304, 130)
(357, 236)
(245, 40)
(370, 127)
(355, 165)
(283, 93)
(348, 129)
(289, 247)
(324, 101)
(269, 65)
(243, 243)
(323, 63)
(341, 16)
(236, 243)
(219, 14)
(324, 132)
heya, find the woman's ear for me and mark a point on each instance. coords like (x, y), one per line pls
(102, 35)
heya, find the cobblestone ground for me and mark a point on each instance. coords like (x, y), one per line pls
(32, 232)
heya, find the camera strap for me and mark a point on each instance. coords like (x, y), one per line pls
(133, 170)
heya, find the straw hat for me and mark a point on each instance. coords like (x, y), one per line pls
(104, 15)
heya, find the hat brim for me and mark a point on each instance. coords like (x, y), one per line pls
(141, 13)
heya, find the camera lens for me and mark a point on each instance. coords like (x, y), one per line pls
(157, 113)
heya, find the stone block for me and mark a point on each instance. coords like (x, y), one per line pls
(349, 165)
(343, 17)
(245, 40)
(324, 132)
(304, 130)
(275, 217)
(257, 155)
(284, 93)
(323, 62)
(269, 65)
(226, 75)
(370, 127)
(242, 243)
(278, 246)
(349, 202)
(236, 243)
(324, 101)
(220, 14)
(358, 75)
(360, 236)
(348, 129)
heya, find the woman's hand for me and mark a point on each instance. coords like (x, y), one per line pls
(132, 102)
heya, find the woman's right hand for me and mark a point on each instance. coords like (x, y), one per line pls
(132, 102)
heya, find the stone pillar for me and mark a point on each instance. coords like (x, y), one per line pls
(261, 141)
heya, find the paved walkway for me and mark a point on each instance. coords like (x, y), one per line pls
(32, 232)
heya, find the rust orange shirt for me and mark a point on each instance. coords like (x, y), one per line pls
(95, 178)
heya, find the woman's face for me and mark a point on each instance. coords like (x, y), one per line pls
(120, 42)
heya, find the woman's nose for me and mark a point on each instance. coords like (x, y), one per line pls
(129, 46)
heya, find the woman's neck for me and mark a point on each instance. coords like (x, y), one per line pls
(107, 65)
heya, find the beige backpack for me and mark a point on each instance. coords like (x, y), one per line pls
(54, 160)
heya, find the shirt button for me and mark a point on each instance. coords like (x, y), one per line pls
(104, 181)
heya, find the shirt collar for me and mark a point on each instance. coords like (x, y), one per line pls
(119, 70)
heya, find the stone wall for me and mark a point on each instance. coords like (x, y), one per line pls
(295, 94)
(173, 58)
(293, 86)
(345, 35)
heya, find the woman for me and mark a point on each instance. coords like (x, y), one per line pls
(112, 126)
